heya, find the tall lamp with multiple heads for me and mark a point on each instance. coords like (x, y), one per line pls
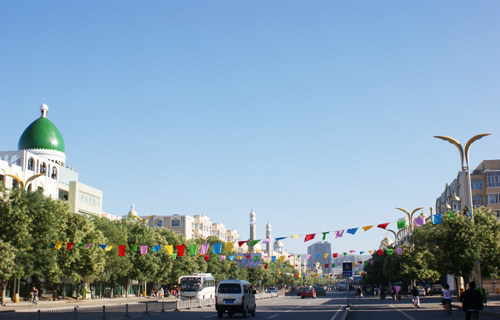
(464, 155)
(410, 217)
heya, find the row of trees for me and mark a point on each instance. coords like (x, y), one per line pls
(31, 222)
(450, 247)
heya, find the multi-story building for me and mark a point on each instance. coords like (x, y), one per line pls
(321, 248)
(40, 164)
(485, 185)
(199, 226)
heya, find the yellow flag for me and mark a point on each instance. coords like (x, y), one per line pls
(370, 251)
(108, 248)
(229, 246)
(58, 245)
(170, 249)
(282, 259)
(367, 228)
(295, 237)
(239, 257)
(326, 255)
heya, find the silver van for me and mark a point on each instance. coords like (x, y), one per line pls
(235, 296)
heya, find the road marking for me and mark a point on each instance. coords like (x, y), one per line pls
(272, 316)
(211, 316)
(299, 307)
(308, 303)
(288, 310)
(336, 313)
(402, 312)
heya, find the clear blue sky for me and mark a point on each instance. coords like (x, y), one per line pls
(320, 115)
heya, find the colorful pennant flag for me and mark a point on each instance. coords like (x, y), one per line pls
(437, 219)
(169, 249)
(69, 245)
(324, 235)
(102, 246)
(383, 225)
(180, 250)
(367, 228)
(88, 245)
(121, 250)
(420, 221)
(308, 256)
(229, 246)
(192, 249)
(240, 243)
(352, 231)
(254, 242)
(401, 224)
(335, 255)
(339, 233)
(134, 248)
(399, 250)
(295, 236)
(309, 237)
(144, 249)
(217, 248)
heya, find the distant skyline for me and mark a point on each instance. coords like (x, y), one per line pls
(319, 115)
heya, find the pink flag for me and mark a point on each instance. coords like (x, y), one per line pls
(352, 251)
(144, 249)
(399, 250)
(204, 248)
(266, 240)
(222, 258)
(339, 233)
(420, 221)
(88, 245)
(371, 261)
(308, 256)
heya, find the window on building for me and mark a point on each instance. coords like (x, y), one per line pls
(158, 223)
(43, 167)
(493, 179)
(493, 198)
(476, 185)
(31, 164)
(63, 195)
(15, 183)
(54, 173)
(2, 178)
(176, 223)
(478, 200)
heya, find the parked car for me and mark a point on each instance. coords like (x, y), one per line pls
(294, 288)
(235, 296)
(272, 290)
(308, 292)
(421, 291)
(436, 289)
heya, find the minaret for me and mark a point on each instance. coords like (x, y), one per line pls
(253, 225)
(268, 236)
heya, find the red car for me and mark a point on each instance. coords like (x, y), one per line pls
(308, 292)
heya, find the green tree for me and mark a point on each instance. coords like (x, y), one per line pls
(7, 266)
(410, 265)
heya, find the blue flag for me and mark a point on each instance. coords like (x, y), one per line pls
(278, 239)
(273, 258)
(352, 231)
(156, 248)
(317, 255)
(217, 248)
(231, 258)
(437, 219)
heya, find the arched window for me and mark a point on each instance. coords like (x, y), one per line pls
(31, 164)
(54, 173)
(158, 223)
(176, 223)
(43, 168)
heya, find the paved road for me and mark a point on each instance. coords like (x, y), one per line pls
(369, 308)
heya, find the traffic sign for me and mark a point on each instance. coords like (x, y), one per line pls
(347, 269)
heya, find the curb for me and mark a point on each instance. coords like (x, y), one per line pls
(345, 314)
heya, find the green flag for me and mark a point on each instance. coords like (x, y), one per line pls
(389, 252)
(254, 242)
(324, 235)
(401, 224)
(192, 249)
(134, 248)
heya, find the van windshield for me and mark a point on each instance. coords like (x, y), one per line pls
(229, 288)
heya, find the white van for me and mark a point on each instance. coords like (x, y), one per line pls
(235, 296)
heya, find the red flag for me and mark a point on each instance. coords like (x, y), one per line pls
(70, 244)
(289, 255)
(121, 251)
(380, 252)
(240, 243)
(266, 266)
(383, 225)
(360, 261)
(206, 257)
(326, 265)
(296, 275)
(248, 257)
(180, 250)
(335, 255)
(309, 237)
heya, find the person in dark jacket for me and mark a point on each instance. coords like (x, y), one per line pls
(471, 300)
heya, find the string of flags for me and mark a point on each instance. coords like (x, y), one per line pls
(217, 248)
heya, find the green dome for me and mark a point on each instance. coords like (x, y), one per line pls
(41, 134)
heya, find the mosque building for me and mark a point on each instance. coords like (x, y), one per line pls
(40, 164)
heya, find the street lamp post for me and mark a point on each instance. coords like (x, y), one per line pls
(464, 154)
(410, 217)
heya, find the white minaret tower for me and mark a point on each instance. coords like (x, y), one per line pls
(253, 226)
(268, 236)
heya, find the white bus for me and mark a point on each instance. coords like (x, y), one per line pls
(197, 286)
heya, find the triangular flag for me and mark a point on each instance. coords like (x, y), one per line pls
(255, 258)
(103, 246)
(352, 231)
(231, 258)
(339, 233)
(308, 256)
(401, 224)
(281, 238)
(326, 255)
(240, 243)
(174, 255)
(58, 245)
(108, 248)
(222, 258)
(335, 255)
(361, 252)
(309, 237)
(383, 225)
(344, 253)
(81, 245)
(352, 251)
(121, 250)
(324, 235)
(206, 257)
(254, 242)
(282, 259)
(367, 228)
(295, 236)
(69, 245)
(273, 258)
(317, 255)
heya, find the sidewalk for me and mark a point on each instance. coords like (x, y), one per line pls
(491, 308)
(71, 303)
